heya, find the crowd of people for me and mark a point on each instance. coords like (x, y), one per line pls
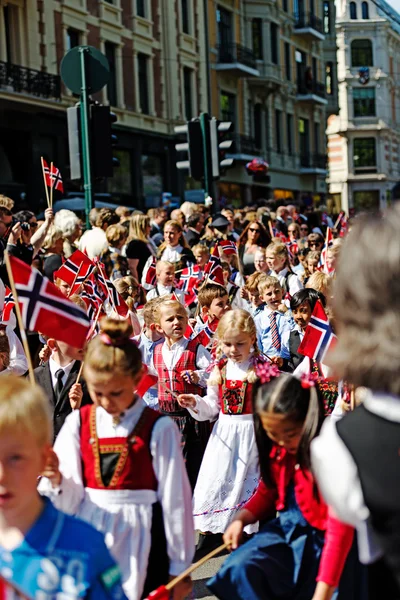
(198, 410)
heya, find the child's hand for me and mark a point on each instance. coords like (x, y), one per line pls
(187, 400)
(192, 322)
(233, 535)
(45, 354)
(190, 376)
(75, 396)
(243, 293)
(283, 308)
(182, 589)
(51, 470)
(277, 360)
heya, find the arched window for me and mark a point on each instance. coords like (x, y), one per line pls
(361, 53)
(364, 10)
(353, 10)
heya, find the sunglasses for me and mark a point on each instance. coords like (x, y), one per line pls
(304, 228)
(315, 243)
(254, 230)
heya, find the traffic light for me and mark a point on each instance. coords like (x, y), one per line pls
(220, 147)
(102, 141)
(74, 141)
(194, 148)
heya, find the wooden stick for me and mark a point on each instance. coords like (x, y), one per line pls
(352, 399)
(195, 566)
(52, 185)
(108, 291)
(19, 318)
(79, 372)
(75, 278)
(45, 183)
(173, 394)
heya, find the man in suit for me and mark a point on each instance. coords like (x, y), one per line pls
(195, 226)
(58, 378)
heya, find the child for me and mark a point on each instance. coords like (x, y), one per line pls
(43, 552)
(272, 324)
(4, 353)
(289, 554)
(147, 341)
(311, 265)
(180, 365)
(251, 293)
(229, 471)
(278, 262)
(165, 275)
(321, 282)
(213, 303)
(260, 261)
(201, 254)
(121, 468)
(235, 301)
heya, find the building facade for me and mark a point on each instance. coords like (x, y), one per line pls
(158, 78)
(363, 139)
(273, 73)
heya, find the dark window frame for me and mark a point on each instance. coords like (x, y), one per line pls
(365, 149)
(362, 53)
(188, 92)
(364, 10)
(289, 133)
(353, 10)
(288, 61)
(278, 131)
(257, 38)
(110, 50)
(143, 77)
(327, 16)
(274, 31)
(185, 11)
(141, 8)
(364, 106)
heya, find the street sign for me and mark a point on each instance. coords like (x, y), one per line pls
(97, 70)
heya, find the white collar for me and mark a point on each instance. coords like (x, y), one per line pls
(54, 367)
(383, 405)
(180, 343)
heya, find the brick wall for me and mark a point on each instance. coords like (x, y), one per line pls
(93, 7)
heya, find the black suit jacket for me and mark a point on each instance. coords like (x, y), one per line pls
(295, 357)
(61, 408)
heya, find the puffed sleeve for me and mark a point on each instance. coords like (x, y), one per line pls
(207, 407)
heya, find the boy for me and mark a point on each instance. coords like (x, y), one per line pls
(201, 254)
(180, 365)
(43, 552)
(271, 323)
(213, 302)
(250, 292)
(147, 341)
(165, 275)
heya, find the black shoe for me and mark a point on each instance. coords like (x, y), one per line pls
(206, 544)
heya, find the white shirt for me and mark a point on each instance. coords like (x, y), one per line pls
(293, 282)
(172, 354)
(304, 368)
(54, 367)
(172, 254)
(18, 362)
(164, 290)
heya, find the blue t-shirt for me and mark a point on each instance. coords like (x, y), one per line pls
(62, 558)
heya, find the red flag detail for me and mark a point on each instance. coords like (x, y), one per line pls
(319, 338)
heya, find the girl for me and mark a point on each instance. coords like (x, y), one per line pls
(229, 472)
(311, 265)
(175, 248)
(253, 236)
(289, 554)
(121, 469)
(278, 262)
(233, 290)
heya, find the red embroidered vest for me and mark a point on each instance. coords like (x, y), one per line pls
(130, 464)
(235, 396)
(187, 362)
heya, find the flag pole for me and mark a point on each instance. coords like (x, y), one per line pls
(45, 184)
(52, 184)
(19, 318)
(108, 291)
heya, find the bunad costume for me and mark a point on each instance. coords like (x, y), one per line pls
(61, 557)
(229, 472)
(128, 479)
(304, 543)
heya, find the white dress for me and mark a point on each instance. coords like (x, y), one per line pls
(125, 516)
(229, 473)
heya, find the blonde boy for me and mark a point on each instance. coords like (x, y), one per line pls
(165, 275)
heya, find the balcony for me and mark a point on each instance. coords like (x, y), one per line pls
(245, 147)
(311, 91)
(237, 59)
(22, 80)
(312, 162)
(269, 79)
(308, 25)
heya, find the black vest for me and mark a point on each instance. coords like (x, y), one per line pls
(374, 443)
(295, 357)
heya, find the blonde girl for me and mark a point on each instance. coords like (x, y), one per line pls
(175, 248)
(311, 265)
(229, 471)
(278, 261)
(120, 468)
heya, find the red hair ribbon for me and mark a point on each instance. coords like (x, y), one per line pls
(308, 380)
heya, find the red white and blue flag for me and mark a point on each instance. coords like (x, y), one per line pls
(76, 270)
(322, 266)
(45, 309)
(53, 177)
(110, 292)
(189, 278)
(228, 247)
(149, 273)
(8, 305)
(213, 269)
(319, 338)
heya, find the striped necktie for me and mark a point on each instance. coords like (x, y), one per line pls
(276, 342)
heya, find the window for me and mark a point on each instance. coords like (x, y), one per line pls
(364, 102)
(153, 184)
(256, 30)
(289, 132)
(228, 107)
(274, 44)
(314, 68)
(317, 137)
(12, 33)
(110, 52)
(368, 200)
(278, 130)
(185, 16)
(353, 10)
(361, 53)
(288, 64)
(257, 124)
(187, 88)
(121, 181)
(141, 8)
(142, 60)
(285, 5)
(304, 141)
(225, 29)
(327, 16)
(364, 10)
(364, 155)
(329, 78)
(73, 38)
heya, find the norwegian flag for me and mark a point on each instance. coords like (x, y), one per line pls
(344, 225)
(110, 292)
(322, 266)
(149, 273)
(76, 270)
(213, 269)
(44, 308)
(190, 298)
(206, 334)
(53, 177)
(189, 278)
(319, 338)
(8, 305)
(146, 382)
(228, 247)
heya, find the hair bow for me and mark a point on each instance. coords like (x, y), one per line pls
(265, 371)
(309, 380)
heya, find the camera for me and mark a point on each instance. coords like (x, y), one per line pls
(24, 226)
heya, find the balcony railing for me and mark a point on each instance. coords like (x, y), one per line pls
(245, 144)
(313, 160)
(311, 87)
(308, 21)
(29, 81)
(235, 53)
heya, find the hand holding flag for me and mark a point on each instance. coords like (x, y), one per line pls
(319, 338)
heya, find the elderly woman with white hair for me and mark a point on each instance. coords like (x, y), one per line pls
(69, 223)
